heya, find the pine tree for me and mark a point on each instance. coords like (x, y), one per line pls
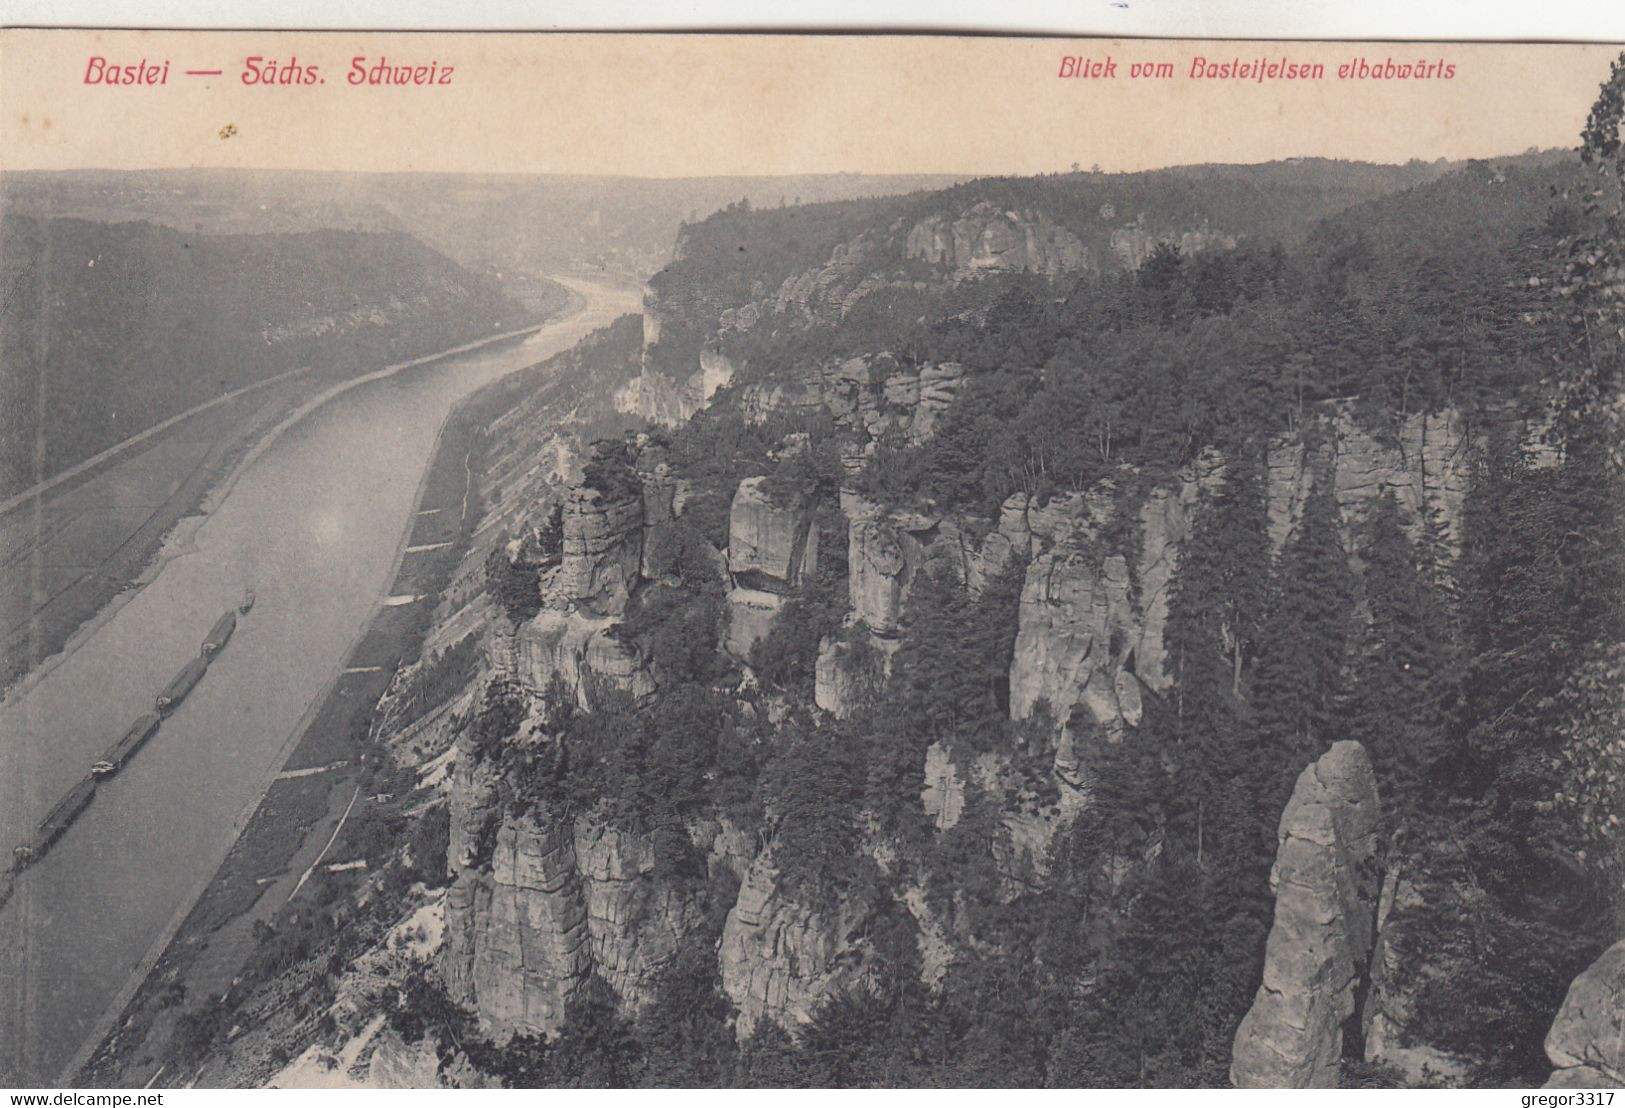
(1188, 983)
(1398, 705)
(1302, 667)
(1215, 617)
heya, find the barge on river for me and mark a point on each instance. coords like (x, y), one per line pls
(185, 681)
(220, 633)
(58, 820)
(123, 750)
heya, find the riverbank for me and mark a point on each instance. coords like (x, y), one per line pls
(316, 525)
(128, 547)
(200, 957)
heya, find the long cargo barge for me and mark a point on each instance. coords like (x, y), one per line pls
(58, 820)
(185, 681)
(220, 633)
(120, 752)
(61, 817)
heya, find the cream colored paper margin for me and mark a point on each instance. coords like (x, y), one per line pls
(718, 105)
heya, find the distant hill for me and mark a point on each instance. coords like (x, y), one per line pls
(846, 261)
(109, 328)
(1477, 206)
(496, 222)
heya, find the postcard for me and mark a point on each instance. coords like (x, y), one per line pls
(817, 561)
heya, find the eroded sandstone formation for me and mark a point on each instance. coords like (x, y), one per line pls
(555, 901)
(636, 920)
(989, 240)
(665, 394)
(516, 930)
(1093, 606)
(1587, 1039)
(1326, 880)
(772, 549)
(603, 541)
(751, 615)
(888, 548)
(1426, 464)
(772, 544)
(873, 395)
(579, 650)
(1135, 243)
(849, 668)
(781, 958)
(944, 794)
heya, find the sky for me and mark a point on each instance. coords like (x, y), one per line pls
(725, 105)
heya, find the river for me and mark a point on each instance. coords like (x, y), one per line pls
(312, 523)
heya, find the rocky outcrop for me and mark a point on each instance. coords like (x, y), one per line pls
(516, 932)
(937, 386)
(667, 391)
(1326, 881)
(888, 548)
(1077, 614)
(636, 920)
(944, 794)
(874, 395)
(1082, 630)
(772, 544)
(1134, 244)
(582, 652)
(882, 561)
(1164, 523)
(475, 806)
(1028, 822)
(1587, 1039)
(558, 900)
(1426, 464)
(603, 539)
(772, 548)
(780, 959)
(751, 615)
(850, 668)
(659, 494)
(986, 239)
(1094, 609)
(830, 290)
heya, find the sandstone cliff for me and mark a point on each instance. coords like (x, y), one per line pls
(603, 549)
(986, 239)
(516, 933)
(780, 957)
(1426, 464)
(557, 900)
(772, 544)
(1326, 880)
(1587, 1039)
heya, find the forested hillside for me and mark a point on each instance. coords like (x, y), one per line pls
(1184, 651)
(110, 328)
(508, 223)
(1075, 888)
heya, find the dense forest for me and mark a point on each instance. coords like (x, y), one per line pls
(956, 881)
(1481, 679)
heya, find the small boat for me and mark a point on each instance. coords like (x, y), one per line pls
(220, 633)
(248, 602)
(184, 681)
(58, 820)
(120, 752)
